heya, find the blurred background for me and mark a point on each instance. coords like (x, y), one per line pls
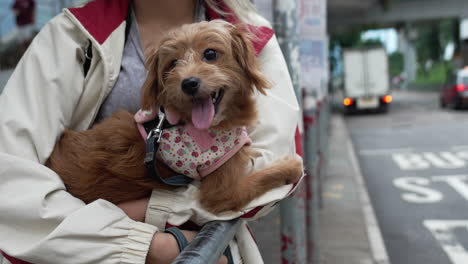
(30, 13)
(383, 85)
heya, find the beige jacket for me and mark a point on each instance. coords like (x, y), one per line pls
(40, 222)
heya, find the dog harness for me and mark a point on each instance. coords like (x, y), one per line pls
(193, 152)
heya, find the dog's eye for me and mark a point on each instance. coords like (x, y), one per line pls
(173, 64)
(210, 55)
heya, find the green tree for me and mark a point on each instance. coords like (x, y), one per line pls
(346, 39)
(396, 63)
(369, 43)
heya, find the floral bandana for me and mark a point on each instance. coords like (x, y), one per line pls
(193, 152)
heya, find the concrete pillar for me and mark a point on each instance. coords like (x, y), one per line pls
(405, 45)
(464, 41)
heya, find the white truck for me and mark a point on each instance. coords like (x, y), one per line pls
(366, 79)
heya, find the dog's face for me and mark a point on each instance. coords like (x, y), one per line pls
(205, 73)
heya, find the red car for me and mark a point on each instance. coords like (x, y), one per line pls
(455, 92)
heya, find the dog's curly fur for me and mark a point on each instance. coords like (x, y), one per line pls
(107, 161)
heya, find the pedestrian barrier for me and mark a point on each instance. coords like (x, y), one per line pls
(210, 243)
(316, 119)
(311, 157)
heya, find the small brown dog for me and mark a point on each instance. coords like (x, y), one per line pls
(205, 76)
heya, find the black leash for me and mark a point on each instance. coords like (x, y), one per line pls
(155, 129)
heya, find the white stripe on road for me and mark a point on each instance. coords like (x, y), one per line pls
(379, 252)
(372, 152)
(443, 231)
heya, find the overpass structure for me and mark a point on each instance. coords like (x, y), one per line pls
(346, 14)
(343, 14)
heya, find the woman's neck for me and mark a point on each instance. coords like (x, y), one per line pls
(155, 17)
(165, 12)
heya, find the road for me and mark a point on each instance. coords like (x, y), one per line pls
(414, 160)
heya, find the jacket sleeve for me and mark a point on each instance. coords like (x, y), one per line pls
(39, 221)
(278, 111)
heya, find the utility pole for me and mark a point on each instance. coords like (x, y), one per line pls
(285, 22)
(292, 209)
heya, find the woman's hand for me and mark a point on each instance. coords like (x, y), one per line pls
(164, 248)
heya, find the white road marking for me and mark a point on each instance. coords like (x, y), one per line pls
(410, 161)
(372, 152)
(376, 242)
(457, 182)
(463, 155)
(455, 159)
(427, 160)
(418, 189)
(449, 161)
(442, 230)
(418, 192)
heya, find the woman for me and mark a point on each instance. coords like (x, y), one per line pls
(85, 64)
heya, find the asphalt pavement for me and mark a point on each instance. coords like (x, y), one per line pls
(414, 161)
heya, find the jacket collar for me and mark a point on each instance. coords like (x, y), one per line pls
(102, 17)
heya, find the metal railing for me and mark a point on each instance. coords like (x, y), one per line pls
(210, 243)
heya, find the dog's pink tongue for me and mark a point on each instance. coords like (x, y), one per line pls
(202, 113)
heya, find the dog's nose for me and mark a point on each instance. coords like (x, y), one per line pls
(190, 85)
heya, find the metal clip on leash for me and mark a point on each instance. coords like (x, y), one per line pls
(157, 131)
(152, 145)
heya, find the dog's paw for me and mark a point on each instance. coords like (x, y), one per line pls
(292, 168)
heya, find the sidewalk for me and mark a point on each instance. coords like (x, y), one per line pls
(349, 231)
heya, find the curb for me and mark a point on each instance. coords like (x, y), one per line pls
(376, 242)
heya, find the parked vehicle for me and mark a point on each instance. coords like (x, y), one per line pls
(366, 79)
(455, 92)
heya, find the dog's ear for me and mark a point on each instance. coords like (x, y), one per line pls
(150, 89)
(244, 53)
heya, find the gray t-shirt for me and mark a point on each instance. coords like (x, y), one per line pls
(126, 92)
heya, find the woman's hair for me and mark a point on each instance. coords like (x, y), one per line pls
(241, 8)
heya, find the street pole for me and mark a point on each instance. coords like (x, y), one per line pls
(285, 20)
(292, 209)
